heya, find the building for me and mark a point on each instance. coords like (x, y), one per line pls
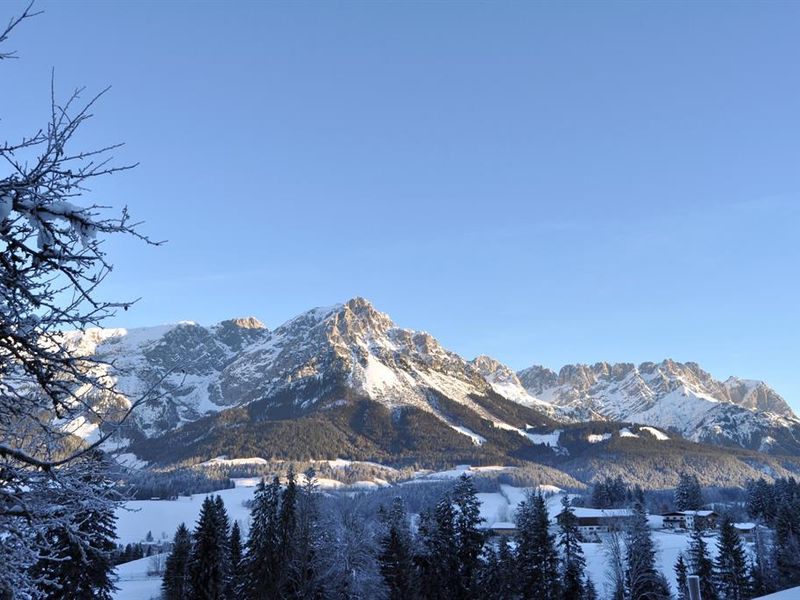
(689, 519)
(592, 522)
(501, 529)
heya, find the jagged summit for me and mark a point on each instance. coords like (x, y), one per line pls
(332, 356)
(670, 394)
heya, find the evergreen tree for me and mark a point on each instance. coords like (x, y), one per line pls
(681, 574)
(573, 563)
(261, 562)
(175, 585)
(396, 553)
(537, 558)
(440, 576)
(235, 581)
(642, 580)
(787, 545)
(701, 565)
(302, 580)
(209, 566)
(589, 591)
(688, 494)
(78, 559)
(468, 537)
(730, 569)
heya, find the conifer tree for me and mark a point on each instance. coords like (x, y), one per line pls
(77, 561)
(537, 558)
(681, 574)
(787, 545)
(396, 554)
(209, 567)
(688, 493)
(302, 578)
(730, 568)
(642, 580)
(468, 537)
(260, 564)
(175, 585)
(439, 568)
(589, 591)
(573, 563)
(235, 560)
(701, 565)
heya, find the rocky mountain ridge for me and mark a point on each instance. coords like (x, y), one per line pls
(334, 356)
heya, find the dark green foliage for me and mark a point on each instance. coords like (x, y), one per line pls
(438, 562)
(175, 585)
(235, 559)
(700, 564)
(688, 493)
(261, 564)
(642, 580)
(681, 573)
(302, 578)
(589, 591)
(730, 568)
(573, 563)
(396, 553)
(209, 563)
(468, 537)
(537, 559)
(787, 545)
(77, 561)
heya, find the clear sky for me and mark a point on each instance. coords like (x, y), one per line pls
(541, 182)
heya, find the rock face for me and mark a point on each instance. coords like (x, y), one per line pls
(669, 394)
(329, 357)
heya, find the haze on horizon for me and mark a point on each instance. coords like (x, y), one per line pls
(540, 182)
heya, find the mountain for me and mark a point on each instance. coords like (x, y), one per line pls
(321, 360)
(681, 397)
(346, 382)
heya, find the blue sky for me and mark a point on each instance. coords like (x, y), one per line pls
(541, 182)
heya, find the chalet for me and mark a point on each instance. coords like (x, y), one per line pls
(746, 531)
(592, 522)
(501, 529)
(689, 519)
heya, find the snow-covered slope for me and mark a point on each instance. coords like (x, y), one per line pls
(672, 395)
(314, 361)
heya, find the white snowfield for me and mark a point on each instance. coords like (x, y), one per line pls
(790, 594)
(161, 518)
(133, 582)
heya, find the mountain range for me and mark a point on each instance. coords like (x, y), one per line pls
(345, 380)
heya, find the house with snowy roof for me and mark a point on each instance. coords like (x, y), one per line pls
(592, 522)
(689, 519)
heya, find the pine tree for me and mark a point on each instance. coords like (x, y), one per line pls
(209, 567)
(77, 560)
(688, 494)
(537, 558)
(302, 579)
(235, 559)
(681, 574)
(730, 568)
(439, 567)
(396, 554)
(701, 565)
(175, 585)
(469, 538)
(787, 545)
(642, 580)
(589, 591)
(261, 562)
(573, 562)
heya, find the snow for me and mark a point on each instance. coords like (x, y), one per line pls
(134, 583)
(476, 439)
(594, 438)
(790, 594)
(659, 435)
(224, 461)
(625, 432)
(130, 460)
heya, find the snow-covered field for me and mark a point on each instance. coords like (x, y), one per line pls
(161, 517)
(134, 583)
